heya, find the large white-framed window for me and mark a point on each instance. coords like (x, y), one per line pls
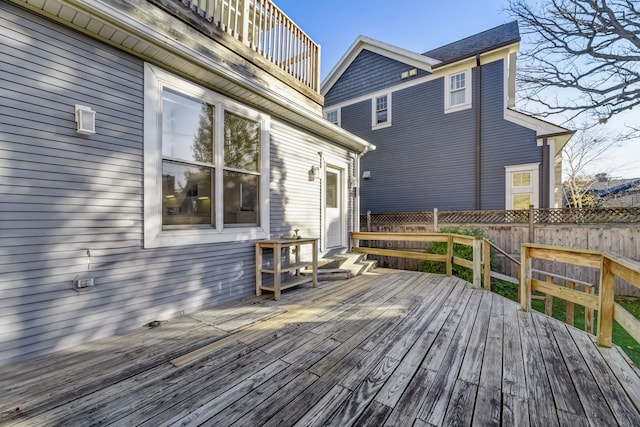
(457, 91)
(333, 116)
(206, 165)
(522, 186)
(381, 111)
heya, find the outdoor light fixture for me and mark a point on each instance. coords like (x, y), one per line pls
(313, 173)
(85, 120)
(366, 175)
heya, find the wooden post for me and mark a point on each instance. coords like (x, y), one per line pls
(435, 220)
(487, 264)
(477, 263)
(570, 305)
(369, 221)
(605, 313)
(588, 312)
(532, 232)
(450, 255)
(525, 279)
(548, 300)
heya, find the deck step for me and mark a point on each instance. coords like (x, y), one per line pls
(343, 266)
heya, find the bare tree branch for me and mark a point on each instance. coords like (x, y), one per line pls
(581, 153)
(588, 49)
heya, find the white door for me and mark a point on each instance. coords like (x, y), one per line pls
(333, 207)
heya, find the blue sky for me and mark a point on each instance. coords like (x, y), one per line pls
(420, 25)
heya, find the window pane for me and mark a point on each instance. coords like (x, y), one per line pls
(522, 179)
(521, 201)
(332, 190)
(332, 116)
(381, 103)
(240, 198)
(381, 116)
(457, 81)
(241, 143)
(186, 194)
(457, 97)
(187, 128)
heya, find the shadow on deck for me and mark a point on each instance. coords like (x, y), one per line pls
(387, 348)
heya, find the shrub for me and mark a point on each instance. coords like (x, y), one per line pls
(461, 251)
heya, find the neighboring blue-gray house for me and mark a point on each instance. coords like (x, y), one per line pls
(446, 133)
(145, 146)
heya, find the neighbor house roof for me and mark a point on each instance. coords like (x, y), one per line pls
(478, 43)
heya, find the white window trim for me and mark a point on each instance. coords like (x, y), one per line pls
(534, 189)
(337, 110)
(154, 236)
(467, 92)
(374, 118)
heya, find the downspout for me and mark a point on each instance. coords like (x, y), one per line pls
(544, 197)
(356, 190)
(478, 133)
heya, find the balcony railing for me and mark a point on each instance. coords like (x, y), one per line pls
(263, 27)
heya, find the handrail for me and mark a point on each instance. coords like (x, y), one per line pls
(476, 244)
(262, 26)
(611, 266)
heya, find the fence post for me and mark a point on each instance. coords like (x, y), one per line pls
(525, 278)
(369, 221)
(532, 232)
(435, 220)
(450, 255)
(605, 312)
(487, 264)
(477, 262)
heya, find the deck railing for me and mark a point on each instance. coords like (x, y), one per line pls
(449, 259)
(262, 26)
(610, 266)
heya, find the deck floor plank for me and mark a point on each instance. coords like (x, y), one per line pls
(489, 397)
(606, 394)
(386, 348)
(542, 409)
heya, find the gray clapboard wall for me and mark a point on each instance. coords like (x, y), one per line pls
(369, 72)
(63, 194)
(426, 158)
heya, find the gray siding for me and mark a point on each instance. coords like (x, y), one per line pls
(369, 72)
(63, 194)
(503, 143)
(426, 159)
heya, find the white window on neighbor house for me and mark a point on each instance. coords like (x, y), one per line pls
(381, 108)
(522, 186)
(457, 91)
(206, 165)
(333, 116)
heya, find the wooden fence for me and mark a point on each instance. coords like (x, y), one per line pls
(600, 296)
(618, 238)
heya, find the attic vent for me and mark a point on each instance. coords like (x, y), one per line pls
(410, 73)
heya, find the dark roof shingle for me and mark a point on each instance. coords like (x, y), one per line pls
(478, 43)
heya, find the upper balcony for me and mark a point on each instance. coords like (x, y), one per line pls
(265, 29)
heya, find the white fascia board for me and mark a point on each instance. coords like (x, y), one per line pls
(542, 128)
(365, 43)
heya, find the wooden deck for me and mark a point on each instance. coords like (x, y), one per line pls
(390, 348)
